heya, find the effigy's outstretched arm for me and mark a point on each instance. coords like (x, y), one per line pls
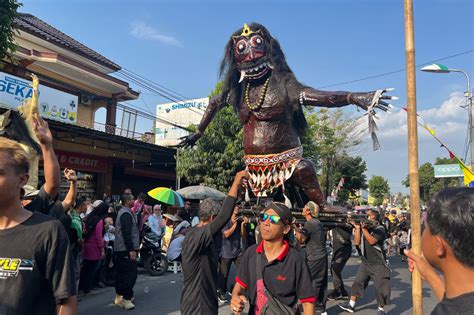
(313, 97)
(215, 104)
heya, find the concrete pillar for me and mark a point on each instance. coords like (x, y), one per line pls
(111, 116)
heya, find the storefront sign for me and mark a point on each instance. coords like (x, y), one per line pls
(448, 170)
(81, 162)
(53, 104)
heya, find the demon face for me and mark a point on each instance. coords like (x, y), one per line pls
(250, 52)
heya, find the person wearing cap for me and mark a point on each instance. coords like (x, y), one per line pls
(316, 254)
(273, 276)
(198, 261)
(37, 276)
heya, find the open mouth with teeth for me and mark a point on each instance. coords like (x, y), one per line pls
(255, 72)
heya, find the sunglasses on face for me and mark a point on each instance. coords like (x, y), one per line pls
(273, 218)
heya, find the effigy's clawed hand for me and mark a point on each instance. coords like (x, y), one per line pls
(372, 100)
(189, 140)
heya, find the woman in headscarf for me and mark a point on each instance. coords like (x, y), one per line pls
(93, 247)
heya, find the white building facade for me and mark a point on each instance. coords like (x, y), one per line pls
(181, 114)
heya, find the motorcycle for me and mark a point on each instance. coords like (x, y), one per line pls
(150, 256)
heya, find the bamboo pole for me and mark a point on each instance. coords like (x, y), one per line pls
(413, 153)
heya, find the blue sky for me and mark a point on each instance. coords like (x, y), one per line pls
(179, 44)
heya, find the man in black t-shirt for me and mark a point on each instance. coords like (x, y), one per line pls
(272, 276)
(198, 259)
(448, 246)
(316, 254)
(36, 274)
(373, 266)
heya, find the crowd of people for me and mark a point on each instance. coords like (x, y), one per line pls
(53, 248)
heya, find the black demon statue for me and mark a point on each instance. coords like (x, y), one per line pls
(269, 100)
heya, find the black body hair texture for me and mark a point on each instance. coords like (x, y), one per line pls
(18, 131)
(282, 78)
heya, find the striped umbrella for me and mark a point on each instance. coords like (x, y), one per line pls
(167, 195)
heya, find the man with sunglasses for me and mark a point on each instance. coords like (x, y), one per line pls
(272, 275)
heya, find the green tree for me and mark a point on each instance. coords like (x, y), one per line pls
(330, 134)
(352, 169)
(429, 185)
(8, 13)
(378, 188)
(218, 155)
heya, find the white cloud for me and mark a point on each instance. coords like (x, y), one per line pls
(141, 30)
(448, 120)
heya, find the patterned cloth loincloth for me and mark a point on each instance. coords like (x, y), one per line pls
(268, 172)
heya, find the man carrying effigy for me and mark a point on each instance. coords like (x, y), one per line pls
(269, 100)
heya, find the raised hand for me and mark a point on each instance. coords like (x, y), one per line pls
(40, 126)
(373, 99)
(70, 175)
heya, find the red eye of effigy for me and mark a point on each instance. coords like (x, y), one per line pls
(256, 41)
(241, 46)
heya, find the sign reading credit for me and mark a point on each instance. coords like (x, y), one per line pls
(81, 162)
(53, 104)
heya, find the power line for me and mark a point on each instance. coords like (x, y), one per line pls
(395, 71)
(153, 87)
(184, 98)
(151, 116)
(146, 86)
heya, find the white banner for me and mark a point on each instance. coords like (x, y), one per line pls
(53, 104)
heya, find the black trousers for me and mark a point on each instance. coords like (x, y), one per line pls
(224, 268)
(340, 257)
(126, 275)
(380, 275)
(88, 273)
(319, 276)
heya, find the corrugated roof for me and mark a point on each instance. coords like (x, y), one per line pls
(31, 24)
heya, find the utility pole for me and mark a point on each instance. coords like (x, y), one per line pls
(469, 109)
(417, 296)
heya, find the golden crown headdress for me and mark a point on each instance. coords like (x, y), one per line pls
(246, 32)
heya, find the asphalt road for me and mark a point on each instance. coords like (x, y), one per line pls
(161, 295)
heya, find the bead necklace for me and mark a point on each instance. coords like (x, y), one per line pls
(261, 99)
